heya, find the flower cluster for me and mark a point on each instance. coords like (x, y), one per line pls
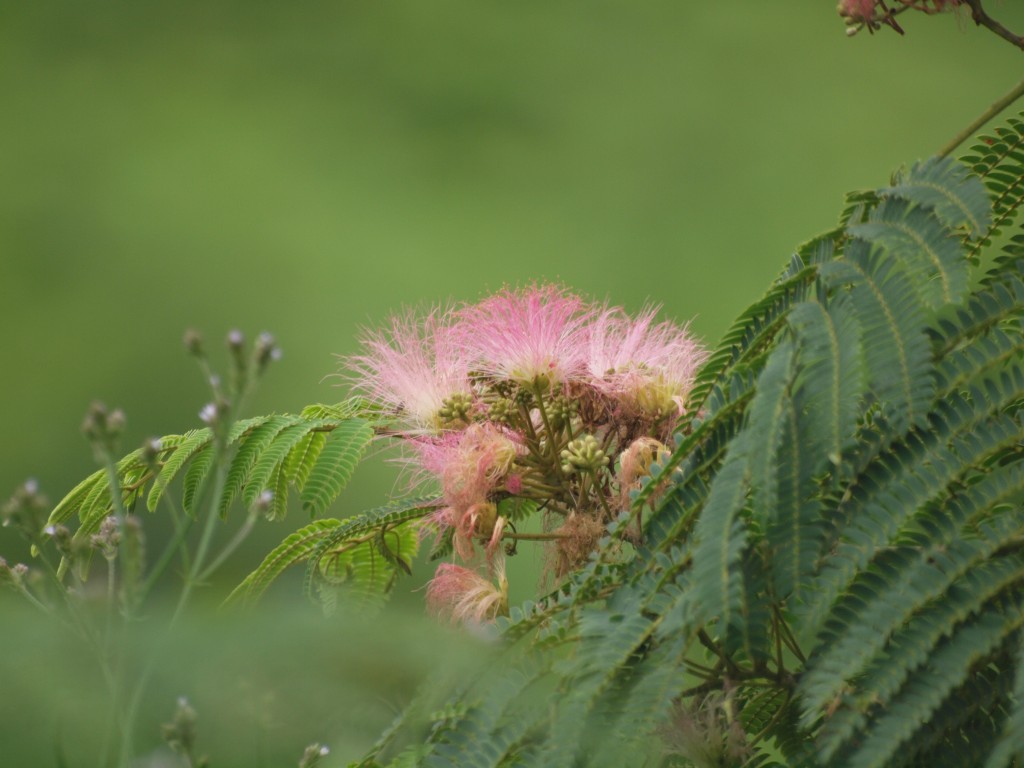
(873, 13)
(532, 399)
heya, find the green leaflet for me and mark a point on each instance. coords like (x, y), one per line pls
(303, 457)
(270, 463)
(251, 446)
(721, 537)
(896, 354)
(998, 160)
(323, 538)
(912, 593)
(502, 708)
(269, 453)
(720, 531)
(931, 255)
(947, 187)
(364, 529)
(950, 666)
(192, 484)
(73, 501)
(829, 383)
(97, 505)
(753, 329)
(295, 548)
(361, 575)
(1011, 740)
(335, 464)
(191, 443)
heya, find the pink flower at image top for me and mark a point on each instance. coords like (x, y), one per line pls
(535, 336)
(415, 368)
(647, 366)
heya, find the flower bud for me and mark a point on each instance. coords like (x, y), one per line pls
(264, 503)
(193, 341)
(456, 409)
(561, 412)
(180, 733)
(266, 351)
(26, 510)
(502, 411)
(102, 428)
(108, 537)
(62, 540)
(311, 756)
(583, 454)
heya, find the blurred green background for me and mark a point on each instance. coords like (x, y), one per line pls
(309, 168)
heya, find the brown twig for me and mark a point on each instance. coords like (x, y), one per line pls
(550, 536)
(982, 19)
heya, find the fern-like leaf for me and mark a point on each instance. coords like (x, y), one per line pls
(191, 443)
(335, 465)
(1010, 744)
(956, 196)
(294, 549)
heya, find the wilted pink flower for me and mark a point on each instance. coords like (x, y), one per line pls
(648, 367)
(859, 10)
(416, 368)
(463, 595)
(470, 463)
(635, 462)
(534, 336)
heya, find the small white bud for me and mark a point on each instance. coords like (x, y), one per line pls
(209, 413)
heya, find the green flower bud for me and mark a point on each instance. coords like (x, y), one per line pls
(583, 455)
(456, 408)
(503, 411)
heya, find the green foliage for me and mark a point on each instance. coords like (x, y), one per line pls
(364, 552)
(335, 463)
(998, 160)
(832, 569)
(313, 453)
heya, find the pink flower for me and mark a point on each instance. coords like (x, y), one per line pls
(463, 595)
(859, 10)
(635, 463)
(534, 336)
(648, 367)
(416, 368)
(470, 465)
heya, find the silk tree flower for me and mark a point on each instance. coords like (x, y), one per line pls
(647, 367)
(471, 465)
(534, 336)
(463, 595)
(416, 368)
(857, 10)
(635, 463)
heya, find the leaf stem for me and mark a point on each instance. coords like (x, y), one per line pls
(982, 19)
(998, 106)
(240, 535)
(176, 544)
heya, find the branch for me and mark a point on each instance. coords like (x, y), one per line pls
(1015, 93)
(982, 19)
